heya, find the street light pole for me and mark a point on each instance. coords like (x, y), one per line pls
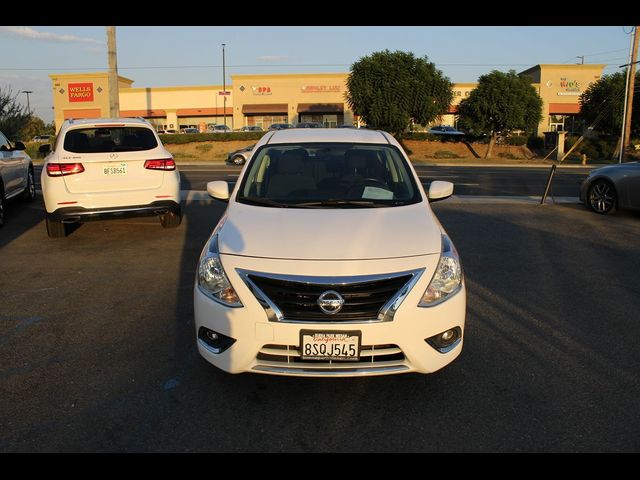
(28, 106)
(224, 90)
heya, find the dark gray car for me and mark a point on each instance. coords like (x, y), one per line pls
(240, 157)
(615, 186)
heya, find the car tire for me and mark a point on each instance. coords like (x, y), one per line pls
(602, 197)
(170, 220)
(55, 229)
(238, 160)
(29, 194)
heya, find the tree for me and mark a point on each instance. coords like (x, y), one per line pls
(501, 102)
(603, 102)
(13, 116)
(389, 90)
(35, 126)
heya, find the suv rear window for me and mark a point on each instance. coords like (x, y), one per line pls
(109, 139)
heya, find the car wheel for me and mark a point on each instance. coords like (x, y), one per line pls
(602, 197)
(170, 220)
(238, 160)
(55, 229)
(29, 194)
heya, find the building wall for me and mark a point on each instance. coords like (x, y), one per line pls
(82, 95)
(86, 95)
(290, 89)
(560, 87)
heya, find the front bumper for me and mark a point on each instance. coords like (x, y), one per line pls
(80, 214)
(271, 347)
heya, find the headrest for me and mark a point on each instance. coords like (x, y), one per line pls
(356, 159)
(293, 161)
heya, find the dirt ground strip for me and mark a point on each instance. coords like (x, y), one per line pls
(420, 151)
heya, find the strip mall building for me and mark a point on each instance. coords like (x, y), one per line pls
(286, 98)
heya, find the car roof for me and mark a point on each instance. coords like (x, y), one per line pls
(321, 135)
(109, 121)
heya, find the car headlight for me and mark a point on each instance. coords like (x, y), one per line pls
(212, 281)
(447, 279)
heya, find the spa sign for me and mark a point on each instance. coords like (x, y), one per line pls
(81, 92)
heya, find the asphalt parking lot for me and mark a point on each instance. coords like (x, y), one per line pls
(97, 346)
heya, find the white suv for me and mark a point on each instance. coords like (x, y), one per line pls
(109, 168)
(329, 262)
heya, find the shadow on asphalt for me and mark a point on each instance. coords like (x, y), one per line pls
(550, 359)
(20, 217)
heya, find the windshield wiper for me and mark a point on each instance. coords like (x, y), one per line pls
(339, 203)
(262, 201)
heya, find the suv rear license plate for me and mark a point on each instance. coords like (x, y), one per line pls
(341, 346)
(119, 169)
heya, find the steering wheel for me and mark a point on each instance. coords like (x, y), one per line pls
(364, 182)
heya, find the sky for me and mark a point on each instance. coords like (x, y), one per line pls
(171, 56)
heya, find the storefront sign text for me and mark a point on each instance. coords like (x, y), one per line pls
(261, 90)
(81, 92)
(320, 88)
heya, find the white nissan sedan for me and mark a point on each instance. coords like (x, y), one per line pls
(329, 262)
(108, 169)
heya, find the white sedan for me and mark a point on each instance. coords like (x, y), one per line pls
(109, 169)
(329, 262)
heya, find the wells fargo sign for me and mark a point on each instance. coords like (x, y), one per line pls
(81, 92)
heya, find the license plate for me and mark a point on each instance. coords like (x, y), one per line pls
(341, 346)
(119, 169)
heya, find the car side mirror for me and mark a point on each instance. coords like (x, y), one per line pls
(44, 149)
(19, 146)
(218, 190)
(439, 190)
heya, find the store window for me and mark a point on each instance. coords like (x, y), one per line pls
(566, 123)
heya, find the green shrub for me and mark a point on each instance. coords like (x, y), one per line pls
(178, 138)
(516, 140)
(434, 137)
(535, 143)
(508, 155)
(446, 154)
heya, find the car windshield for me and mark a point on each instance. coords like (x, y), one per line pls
(109, 139)
(336, 175)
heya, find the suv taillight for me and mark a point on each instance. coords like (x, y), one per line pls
(161, 164)
(61, 169)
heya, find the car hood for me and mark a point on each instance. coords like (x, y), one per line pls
(329, 234)
(614, 167)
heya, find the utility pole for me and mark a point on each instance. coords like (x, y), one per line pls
(28, 106)
(581, 57)
(114, 96)
(631, 86)
(224, 89)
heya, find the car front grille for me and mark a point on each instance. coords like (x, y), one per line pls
(366, 298)
(374, 359)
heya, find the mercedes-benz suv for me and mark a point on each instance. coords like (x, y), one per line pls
(109, 169)
(329, 262)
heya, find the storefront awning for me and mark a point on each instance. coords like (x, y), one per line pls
(203, 112)
(262, 108)
(564, 108)
(321, 108)
(143, 113)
